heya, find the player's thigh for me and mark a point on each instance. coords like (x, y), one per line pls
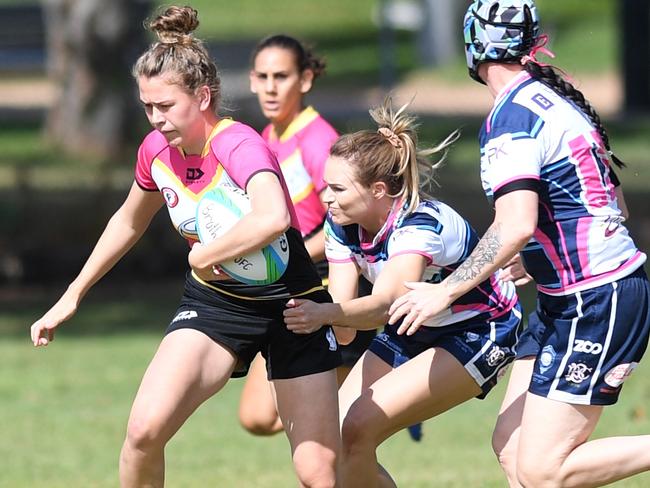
(368, 369)
(188, 368)
(431, 383)
(552, 430)
(308, 408)
(506, 430)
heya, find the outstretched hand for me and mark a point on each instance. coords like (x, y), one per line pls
(303, 316)
(42, 331)
(424, 301)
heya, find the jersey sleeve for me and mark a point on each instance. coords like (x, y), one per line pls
(147, 151)
(336, 247)
(419, 234)
(315, 149)
(243, 154)
(511, 161)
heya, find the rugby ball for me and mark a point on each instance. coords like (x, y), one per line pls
(220, 209)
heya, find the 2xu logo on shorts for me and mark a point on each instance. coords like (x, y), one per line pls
(588, 347)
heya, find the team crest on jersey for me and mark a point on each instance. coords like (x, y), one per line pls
(578, 372)
(495, 356)
(170, 196)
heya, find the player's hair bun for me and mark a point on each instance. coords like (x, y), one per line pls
(175, 25)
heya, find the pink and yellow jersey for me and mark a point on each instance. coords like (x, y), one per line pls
(302, 151)
(232, 155)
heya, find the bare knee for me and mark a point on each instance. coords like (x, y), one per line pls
(145, 434)
(535, 474)
(260, 425)
(505, 451)
(315, 466)
(356, 434)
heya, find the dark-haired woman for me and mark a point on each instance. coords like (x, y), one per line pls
(283, 72)
(546, 166)
(220, 324)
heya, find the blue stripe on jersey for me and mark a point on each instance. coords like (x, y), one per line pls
(423, 220)
(561, 185)
(516, 116)
(551, 167)
(533, 132)
(566, 191)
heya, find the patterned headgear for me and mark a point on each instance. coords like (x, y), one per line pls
(499, 31)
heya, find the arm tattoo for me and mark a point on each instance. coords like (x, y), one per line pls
(483, 255)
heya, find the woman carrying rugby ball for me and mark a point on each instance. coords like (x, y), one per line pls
(220, 324)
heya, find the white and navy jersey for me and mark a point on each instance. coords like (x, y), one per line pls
(535, 139)
(434, 231)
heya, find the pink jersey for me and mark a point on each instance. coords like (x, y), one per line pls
(232, 155)
(302, 151)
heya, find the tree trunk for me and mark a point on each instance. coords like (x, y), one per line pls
(91, 46)
(635, 26)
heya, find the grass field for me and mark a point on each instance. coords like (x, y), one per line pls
(64, 409)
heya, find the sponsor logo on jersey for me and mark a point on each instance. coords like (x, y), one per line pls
(580, 345)
(185, 315)
(194, 174)
(496, 152)
(578, 372)
(611, 226)
(618, 374)
(542, 101)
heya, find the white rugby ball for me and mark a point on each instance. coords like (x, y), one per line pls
(216, 213)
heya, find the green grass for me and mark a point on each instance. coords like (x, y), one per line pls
(65, 409)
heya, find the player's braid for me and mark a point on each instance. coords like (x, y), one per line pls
(549, 76)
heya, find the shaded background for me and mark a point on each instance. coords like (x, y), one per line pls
(70, 123)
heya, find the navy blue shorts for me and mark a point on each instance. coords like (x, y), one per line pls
(247, 327)
(586, 344)
(484, 348)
